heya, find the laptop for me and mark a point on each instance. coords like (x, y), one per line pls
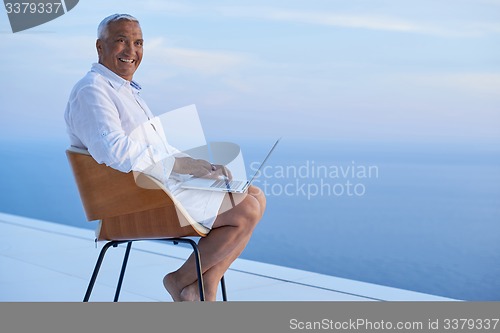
(225, 185)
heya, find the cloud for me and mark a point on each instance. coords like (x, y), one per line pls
(446, 24)
(167, 6)
(364, 21)
(205, 62)
(37, 52)
(465, 83)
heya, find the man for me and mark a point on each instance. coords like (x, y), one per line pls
(103, 110)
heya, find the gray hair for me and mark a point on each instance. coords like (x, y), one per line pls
(102, 29)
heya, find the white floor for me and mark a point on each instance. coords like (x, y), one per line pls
(47, 262)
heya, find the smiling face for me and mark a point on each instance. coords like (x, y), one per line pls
(121, 48)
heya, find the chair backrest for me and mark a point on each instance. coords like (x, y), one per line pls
(126, 210)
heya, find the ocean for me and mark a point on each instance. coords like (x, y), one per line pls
(421, 217)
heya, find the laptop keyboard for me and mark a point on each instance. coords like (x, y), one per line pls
(224, 184)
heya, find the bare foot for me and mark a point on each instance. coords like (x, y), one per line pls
(172, 288)
(179, 294)
(190, 293)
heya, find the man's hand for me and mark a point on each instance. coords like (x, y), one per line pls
(201, 168)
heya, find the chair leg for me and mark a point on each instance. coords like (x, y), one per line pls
(105, 248)
(223, 288)
(197, 258)
(98, 267)
(122, 272)
(199, 269)
(199, 272)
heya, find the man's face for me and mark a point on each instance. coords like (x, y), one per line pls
(121, 50)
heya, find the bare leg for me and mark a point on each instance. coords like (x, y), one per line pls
(225, 242)
(211, 277)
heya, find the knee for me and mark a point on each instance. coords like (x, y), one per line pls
(259, 195)
(251, 212)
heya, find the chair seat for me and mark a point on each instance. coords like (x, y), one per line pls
(149, 224)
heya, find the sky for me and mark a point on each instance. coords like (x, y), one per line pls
(358, 70)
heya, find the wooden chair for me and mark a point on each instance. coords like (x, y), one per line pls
(129, 212)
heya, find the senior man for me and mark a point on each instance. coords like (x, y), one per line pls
(105, 107)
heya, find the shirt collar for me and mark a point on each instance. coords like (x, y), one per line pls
(114, 80)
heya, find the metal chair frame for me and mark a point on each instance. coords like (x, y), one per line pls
(125, 261)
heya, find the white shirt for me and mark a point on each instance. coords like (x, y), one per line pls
(106, 115)
(101, 114)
